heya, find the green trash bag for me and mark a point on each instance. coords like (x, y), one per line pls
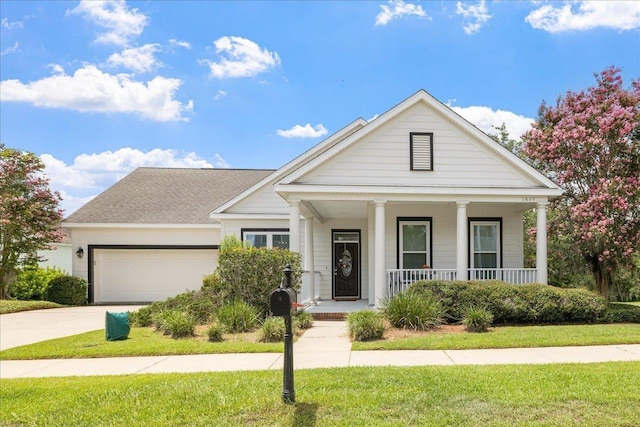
(117, 326)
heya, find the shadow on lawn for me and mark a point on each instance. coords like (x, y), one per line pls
(305, 414)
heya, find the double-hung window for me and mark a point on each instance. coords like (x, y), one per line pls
(485, 248)
(267, 238)
(414, 236)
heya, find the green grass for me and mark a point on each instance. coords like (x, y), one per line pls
(141, 342)
(636, 303)
(15, 306)
(601, 394)
(515, 336)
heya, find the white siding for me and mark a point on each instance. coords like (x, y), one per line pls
(382, 158)
(264, 201)
(60, 257)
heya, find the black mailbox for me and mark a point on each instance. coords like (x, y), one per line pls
(282, 300)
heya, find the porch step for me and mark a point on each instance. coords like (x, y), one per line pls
(329, 316)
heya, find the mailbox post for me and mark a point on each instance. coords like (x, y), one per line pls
(281, 302)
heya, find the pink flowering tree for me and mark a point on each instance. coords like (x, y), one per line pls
(589, 143)
(29, 214)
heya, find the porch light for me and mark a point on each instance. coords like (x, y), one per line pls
(80, 252)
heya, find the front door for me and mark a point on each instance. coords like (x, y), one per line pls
(346, 265)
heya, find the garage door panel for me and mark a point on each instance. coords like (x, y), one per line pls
(143, 275)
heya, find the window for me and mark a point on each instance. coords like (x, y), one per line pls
(485, 247)
(267, 238)
(414, 243)
(421, 151)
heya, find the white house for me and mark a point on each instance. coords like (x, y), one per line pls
(418, 192)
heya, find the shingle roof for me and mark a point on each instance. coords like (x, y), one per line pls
(167, 196)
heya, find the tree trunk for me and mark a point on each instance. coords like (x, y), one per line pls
(601, 275)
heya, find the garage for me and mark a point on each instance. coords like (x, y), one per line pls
(127, 274)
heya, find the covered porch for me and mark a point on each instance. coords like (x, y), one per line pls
(452, 230)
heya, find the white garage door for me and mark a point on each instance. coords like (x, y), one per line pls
(145, 275)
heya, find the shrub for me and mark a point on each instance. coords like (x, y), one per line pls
(272, 330)
(414, 311)
(238, 316)
(477, 319)
(32, 282)
(214, 333)
(251, 274)
(176, 323)
(516, 303)
(622, 313)
(302, 320)
(141, 318)
(365, 325)
(67, 290)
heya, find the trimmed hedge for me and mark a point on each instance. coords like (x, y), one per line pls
(32, 282)
(619, 313)
(516, 304)
(67, 290)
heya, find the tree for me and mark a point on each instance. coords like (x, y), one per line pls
(29, 214)
(589, 143)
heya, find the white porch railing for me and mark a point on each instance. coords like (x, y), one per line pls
(400, 280)
(515, 276)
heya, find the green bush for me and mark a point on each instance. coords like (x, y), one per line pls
(622, 313)
(365, 325)
(477, 319)
(214, 333)
(302, 320)
(414, 311)
(176, 323)
(141, 318)
(272, 330)
(513, 304)
(201, 305)
(32, 282)
(251, 274)
(67, 290)
(238, 316)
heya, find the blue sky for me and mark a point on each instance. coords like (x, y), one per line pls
(97, 89)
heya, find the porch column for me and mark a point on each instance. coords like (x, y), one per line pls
(541, 243)
(294, 226)
(380, 270)
(309, 257)
(461, 241)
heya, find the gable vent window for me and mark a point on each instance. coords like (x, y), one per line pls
(421, 151)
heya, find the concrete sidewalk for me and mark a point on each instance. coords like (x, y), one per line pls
(325, 345)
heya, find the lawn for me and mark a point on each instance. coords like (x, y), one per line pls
(601, 394)
(513, 336)
(15, 306)
(141, 342)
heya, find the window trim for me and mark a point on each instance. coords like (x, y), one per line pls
(411, 151)
(402, 219)
(480, 220)
(269, 232)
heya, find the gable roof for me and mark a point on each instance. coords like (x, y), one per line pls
(343, 139)
(422, 96)
(166, 196)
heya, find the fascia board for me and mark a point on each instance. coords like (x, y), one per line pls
(132, 225)
(333, 192)
(293, 164)
(223, 216)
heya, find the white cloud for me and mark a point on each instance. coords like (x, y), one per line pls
(122, 24)
(485, 118)
(221, 163)
(12, 49)
(398, 9)
(93, 173)
(11, 25)
(619, 15)
(174, 42)
(91, 90)
(477, 15)
(220, 94)
(244, 58)
(306, 131)
(140, 59)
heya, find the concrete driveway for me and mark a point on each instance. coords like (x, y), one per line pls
(27, 327)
